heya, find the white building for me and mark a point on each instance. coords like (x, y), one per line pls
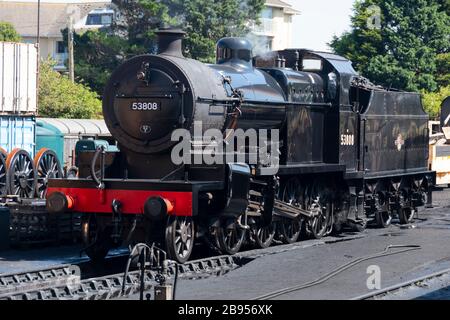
(274, 33)
(275, 30)
(54, 17)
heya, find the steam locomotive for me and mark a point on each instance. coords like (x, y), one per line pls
(338, 152)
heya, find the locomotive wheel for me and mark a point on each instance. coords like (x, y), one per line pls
(290, 229)
(383, 219)
(406, 215)
(319, 225)
(264, 235)
(21, 174)
(230, 236)
(97, 241)
(47, 167)
(180, 233)
(3, 153)
(3, 179)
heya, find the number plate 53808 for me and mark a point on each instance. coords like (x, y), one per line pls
(145, 106)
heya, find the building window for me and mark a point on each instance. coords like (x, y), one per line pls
(99, 19)
(267, 13)
(60, 47)
(269, 44)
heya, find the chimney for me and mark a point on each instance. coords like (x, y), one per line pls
(170, 42)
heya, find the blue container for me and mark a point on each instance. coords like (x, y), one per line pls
(50, 137)
(18, 132)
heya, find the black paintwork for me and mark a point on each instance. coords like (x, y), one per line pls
(395, 135)
(375, 121)
(445, 113)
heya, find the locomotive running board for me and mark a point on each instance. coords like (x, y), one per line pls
(303, 168)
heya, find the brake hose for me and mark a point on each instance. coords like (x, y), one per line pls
(99, 183)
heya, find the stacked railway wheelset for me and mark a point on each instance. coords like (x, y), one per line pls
(349, 152)
(26, 177)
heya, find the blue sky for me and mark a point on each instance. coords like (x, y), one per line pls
(319, 21)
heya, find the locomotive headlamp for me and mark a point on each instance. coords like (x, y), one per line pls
(156, 208)
(58, 202)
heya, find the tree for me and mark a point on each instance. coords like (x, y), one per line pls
(8, 33)
(432, 101)
(443, 69)
(98, 53)
(60, 98)
(206, 21)
(402, 51)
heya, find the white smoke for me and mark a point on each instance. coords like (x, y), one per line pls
(260, 46)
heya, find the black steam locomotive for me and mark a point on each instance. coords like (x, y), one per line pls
(340, 151)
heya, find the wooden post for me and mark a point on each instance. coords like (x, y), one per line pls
(38, 47)
(70, 47)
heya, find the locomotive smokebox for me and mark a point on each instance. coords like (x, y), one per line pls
(150, 96)
(170, 42)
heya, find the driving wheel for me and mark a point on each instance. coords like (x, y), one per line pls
(290, 229)
(3, 187)
(21, 174)
(47, 167)
(230, 236)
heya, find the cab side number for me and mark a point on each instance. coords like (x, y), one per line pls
(347, 140)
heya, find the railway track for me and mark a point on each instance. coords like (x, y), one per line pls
(84, 280)
(37, 279)
(398, 288)
(66, 282)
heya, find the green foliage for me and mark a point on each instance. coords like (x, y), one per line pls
(443, 69)
(206, 21)
(8, 33)
(432, 101)
(404, 52)
(60, 98)
(98, 53)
